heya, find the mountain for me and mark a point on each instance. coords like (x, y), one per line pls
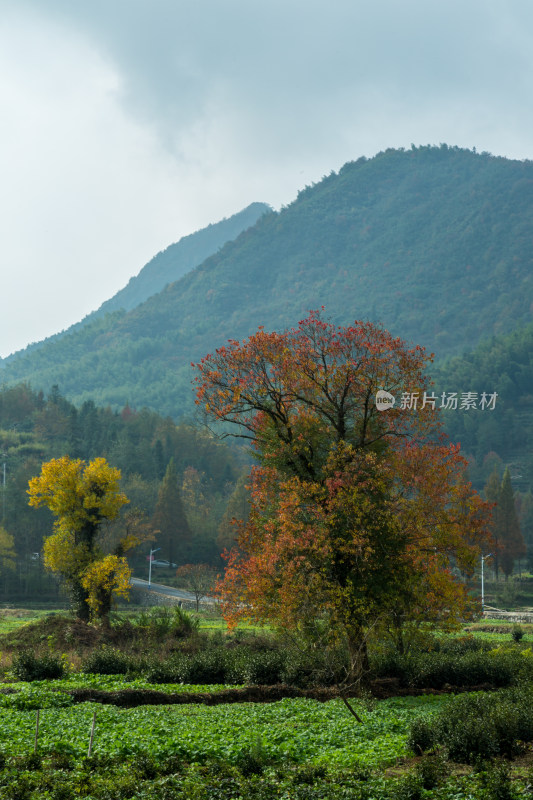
(434, 242)
(166, 267)
(179, 258)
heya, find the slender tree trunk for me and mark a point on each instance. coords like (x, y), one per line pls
(358, 653)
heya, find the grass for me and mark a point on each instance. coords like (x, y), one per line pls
(12, 619)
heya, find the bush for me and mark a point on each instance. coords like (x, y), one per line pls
(264, 668)
(207, 666)
(29, 667)
(313, 667)
(432, 771)
(495, 780)
(161, 621)
(253, 667)
(434, 670)
(479, 727)
(422, 735)
(171, 670)
(107, 661)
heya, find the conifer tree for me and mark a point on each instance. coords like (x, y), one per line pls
(508, 542)
(237, 510)
(526, 524)
(492, 494)
(513, 542)
(170, 520)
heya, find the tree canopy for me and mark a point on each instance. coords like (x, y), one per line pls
(358, 516)
(82, 496)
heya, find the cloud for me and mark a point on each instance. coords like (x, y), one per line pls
(130, 123)
(273, 67)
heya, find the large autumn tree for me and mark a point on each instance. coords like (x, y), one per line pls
(82, 497)
(357, 515)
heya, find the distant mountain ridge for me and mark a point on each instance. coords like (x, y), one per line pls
(167, 266)
(434, 242)
(177, 259)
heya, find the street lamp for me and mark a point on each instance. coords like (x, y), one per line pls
(150, 567)
(483, 583)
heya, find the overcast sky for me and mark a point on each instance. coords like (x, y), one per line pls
(126, 124)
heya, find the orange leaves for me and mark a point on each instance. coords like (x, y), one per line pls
(356, 514)
(310, 381)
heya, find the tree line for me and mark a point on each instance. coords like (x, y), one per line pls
(183, 485)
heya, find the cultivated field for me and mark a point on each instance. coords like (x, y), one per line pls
(142, 733)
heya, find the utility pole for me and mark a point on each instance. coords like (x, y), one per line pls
(150, 559)
(483, 582)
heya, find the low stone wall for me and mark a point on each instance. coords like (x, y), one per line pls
(508, 616)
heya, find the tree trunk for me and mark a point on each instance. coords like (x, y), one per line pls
(79, 601)
(358, 652)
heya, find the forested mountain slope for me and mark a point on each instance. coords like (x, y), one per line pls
(503, 436)
(176, 260)
(433, 242)
(166, 267)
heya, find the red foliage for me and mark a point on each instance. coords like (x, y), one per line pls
(357, 515)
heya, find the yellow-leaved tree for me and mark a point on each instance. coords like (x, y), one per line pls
(82, 496)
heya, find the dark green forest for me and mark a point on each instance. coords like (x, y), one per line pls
(505, 435)
(433, 242)
(142, 444)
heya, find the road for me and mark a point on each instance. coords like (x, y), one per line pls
(160, 588)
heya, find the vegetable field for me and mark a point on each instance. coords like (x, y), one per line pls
(149, 738)
(296, 730)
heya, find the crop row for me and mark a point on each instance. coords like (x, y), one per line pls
(298, 730)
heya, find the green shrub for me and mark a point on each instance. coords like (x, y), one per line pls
(422, 735)
(207, 666)
(479, 727)
(517, 633)
(407, 788)
(31, 761)
(160, 622)
(495, 781)
(432, 770)
(435, 669)
(311, 667)
(29, 667)
(309, 774)
(107, 661)
(171, 670)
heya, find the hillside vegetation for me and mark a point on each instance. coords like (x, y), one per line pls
(164, 268)
(35, 429)
(432, 242)
(177, 259)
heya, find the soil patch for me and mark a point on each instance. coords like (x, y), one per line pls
(131, 698)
